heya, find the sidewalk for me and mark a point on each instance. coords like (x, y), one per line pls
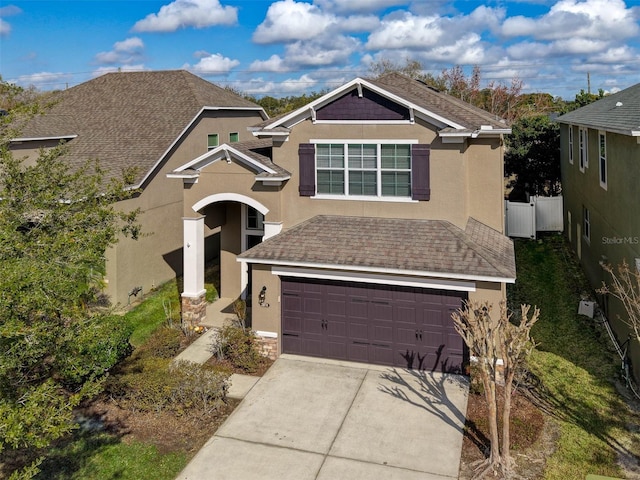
(200, 350)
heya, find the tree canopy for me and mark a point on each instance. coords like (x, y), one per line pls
(56, 341)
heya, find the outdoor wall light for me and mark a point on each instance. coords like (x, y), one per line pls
(262, 297)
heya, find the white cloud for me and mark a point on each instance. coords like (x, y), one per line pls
(44, 80)
(125, 68)
(346, 6)
(291, 86)
(274, 63)
(288, 20)
(212, 64)
(188, 13)
(326, 51)
(602, 19)
(407, 31)
(404, 30)
(126, 52)
(5, 27)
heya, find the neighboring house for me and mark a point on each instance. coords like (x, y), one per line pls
(154, 122)
(357, 223)
(600, 148)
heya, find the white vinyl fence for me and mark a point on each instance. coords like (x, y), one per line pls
(540, 214)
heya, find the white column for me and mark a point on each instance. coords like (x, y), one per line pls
(193, 257)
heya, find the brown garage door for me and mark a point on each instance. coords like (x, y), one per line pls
(386, 325)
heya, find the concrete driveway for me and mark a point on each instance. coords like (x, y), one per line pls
(315, 419)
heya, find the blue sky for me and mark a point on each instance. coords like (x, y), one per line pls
(289, 47)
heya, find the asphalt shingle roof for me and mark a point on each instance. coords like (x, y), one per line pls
(412, 246)
(129, 119)
(619, 113)
(437, 102)
(261, 152)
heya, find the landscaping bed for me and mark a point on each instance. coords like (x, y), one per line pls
(570, 416)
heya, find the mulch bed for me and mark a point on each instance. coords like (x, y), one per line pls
(532, 436)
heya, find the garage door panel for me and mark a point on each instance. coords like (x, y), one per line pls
(381, 355)
(358, 352)
(358, 331)
(388, 325)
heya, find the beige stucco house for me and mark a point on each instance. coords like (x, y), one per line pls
(355, 224)
(154, 122)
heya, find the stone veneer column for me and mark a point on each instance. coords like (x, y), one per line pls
(194, 302)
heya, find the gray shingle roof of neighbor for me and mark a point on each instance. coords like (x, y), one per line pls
(129, 119)
(619, 112)
(440, 103)
(434, 247)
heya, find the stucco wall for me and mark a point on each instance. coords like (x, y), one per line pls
(615, 224)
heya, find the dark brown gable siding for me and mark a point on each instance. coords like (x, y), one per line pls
(370, 106)
(420, 181)
(307, 158)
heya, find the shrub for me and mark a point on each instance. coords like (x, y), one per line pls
(239, 346)
(154, 384)
(198, 387)
(163, 343)
(92, 347)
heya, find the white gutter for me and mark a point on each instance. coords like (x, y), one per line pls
(389, 271)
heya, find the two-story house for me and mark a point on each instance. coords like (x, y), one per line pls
(152, 122)
(358, 223)
(600, 150)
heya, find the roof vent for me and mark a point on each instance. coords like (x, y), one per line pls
(618, 104)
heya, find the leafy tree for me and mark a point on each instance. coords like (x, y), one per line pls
(583, 98)
(533, 156)
(56, 342)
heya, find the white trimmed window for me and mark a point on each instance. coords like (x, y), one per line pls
(602, 147)
(571, 144)
(583, 141)
(587, 224)
(213, 140)
(234, 137)
(363, 169)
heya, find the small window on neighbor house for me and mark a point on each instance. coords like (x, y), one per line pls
(583, 141)
(587, 224)
(233, 137)
(571, 144)
(602, 144)
(212, 141)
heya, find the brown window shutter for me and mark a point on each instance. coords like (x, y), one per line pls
(420, 186)
(307, 157)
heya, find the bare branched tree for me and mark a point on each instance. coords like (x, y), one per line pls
(491, 340)
(625, 286)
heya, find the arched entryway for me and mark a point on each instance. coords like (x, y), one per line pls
(241, 223)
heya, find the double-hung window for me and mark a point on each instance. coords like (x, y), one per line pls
(571, 144)
(212, 141)
(363, 169)
(602, 146)
(583, 141)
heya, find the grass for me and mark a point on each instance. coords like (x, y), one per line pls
(150, 314)
(102, 456)
(574, 363)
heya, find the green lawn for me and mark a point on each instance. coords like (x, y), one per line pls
(574, 362)
(150, 314)
(103, 457)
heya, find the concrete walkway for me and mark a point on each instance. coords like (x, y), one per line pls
(199, 351)
(310, 419)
